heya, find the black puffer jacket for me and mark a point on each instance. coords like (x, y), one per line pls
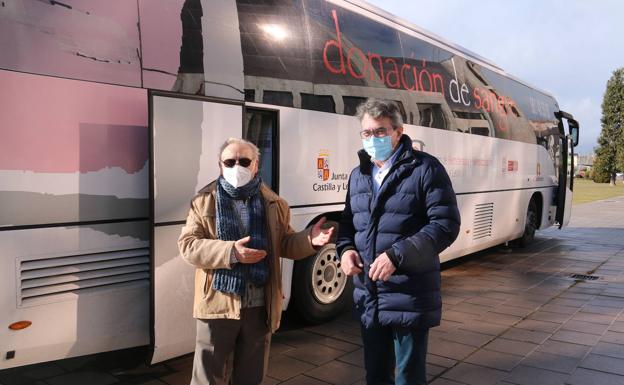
(414, 217)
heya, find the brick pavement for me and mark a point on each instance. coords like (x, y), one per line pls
(510, 316)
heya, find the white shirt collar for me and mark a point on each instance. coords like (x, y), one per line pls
(379, 173)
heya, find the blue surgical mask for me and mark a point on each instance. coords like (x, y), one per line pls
(378, 148)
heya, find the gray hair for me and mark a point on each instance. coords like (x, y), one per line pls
(380, 108)
(254, 148)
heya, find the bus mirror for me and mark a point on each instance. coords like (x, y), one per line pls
(574, 131)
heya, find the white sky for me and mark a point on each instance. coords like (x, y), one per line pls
(566, 47)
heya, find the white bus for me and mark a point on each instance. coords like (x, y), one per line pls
(111, 118)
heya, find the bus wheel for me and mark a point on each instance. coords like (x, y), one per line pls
(320, 286)
(530, 226)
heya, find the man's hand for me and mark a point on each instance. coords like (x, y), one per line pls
(246, 255)
(382, 268)
(320, 236)
(351, 263)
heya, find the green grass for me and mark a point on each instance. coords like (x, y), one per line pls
(585, 190)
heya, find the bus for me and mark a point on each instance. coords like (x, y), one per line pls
(112, 114)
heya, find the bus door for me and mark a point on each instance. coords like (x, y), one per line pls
(186, 134)
(566, 167)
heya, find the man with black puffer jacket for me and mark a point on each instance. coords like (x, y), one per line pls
(400, 213)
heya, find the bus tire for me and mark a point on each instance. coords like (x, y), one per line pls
(530, 225)
(320, 288)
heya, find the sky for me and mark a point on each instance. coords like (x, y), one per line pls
(568, 48)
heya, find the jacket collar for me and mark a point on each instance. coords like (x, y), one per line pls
(407, 154)
(267, 194)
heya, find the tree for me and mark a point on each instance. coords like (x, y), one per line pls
(610, 150)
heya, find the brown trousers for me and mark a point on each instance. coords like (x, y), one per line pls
(232, 352)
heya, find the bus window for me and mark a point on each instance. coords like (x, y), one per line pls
(351, 103)
(402, 109)
(431, 115)
(323, 103)
(483, 131)
(250, 95)
(260, 128)
(469, 115)
(278, 98)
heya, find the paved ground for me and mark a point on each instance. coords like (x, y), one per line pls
(511, 316)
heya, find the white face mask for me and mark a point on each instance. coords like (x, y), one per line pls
(237, 176)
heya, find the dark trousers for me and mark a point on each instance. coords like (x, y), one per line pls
(395, 355)
(232, 351)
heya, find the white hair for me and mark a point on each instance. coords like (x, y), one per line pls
(254, 148)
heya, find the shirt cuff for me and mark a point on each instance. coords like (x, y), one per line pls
(233, 259)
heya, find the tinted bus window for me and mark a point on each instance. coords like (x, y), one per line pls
(401, 110)
(426, 67)
(323, 103)
(348, 48)
(468, 115)
(280, 98)
(431, 115)
(483, 131)
(351, 103)
(416, 49)
(250, 95)
(274, 39)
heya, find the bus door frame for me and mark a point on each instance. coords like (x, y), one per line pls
(566, 168)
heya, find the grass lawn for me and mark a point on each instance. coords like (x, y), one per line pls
(585, 190)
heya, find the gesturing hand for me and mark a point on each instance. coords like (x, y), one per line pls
(246, 255)
(351, 263)
(382, 268)
(320, 236)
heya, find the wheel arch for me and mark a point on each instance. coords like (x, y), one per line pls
(333, 219)
(330, 215)
(539, 202)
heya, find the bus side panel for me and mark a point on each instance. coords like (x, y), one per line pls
(71, 151)
(189, 47)
(322, 152)
(494, 180)
(489, 174)
(192, 47)
(84, 288)
(96, 41)
(73, 187)
(315, 164)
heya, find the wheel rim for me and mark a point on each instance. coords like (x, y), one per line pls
(328, 280)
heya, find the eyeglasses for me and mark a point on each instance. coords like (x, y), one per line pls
(378, 132)
(229, 163)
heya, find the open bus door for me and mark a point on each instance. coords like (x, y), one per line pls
(566, 167)
(186, 134)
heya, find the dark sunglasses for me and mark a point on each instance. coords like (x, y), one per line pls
(229, 163)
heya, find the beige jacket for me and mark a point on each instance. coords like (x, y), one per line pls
(200, 247)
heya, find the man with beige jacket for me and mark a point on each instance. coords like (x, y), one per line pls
(235, 233)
